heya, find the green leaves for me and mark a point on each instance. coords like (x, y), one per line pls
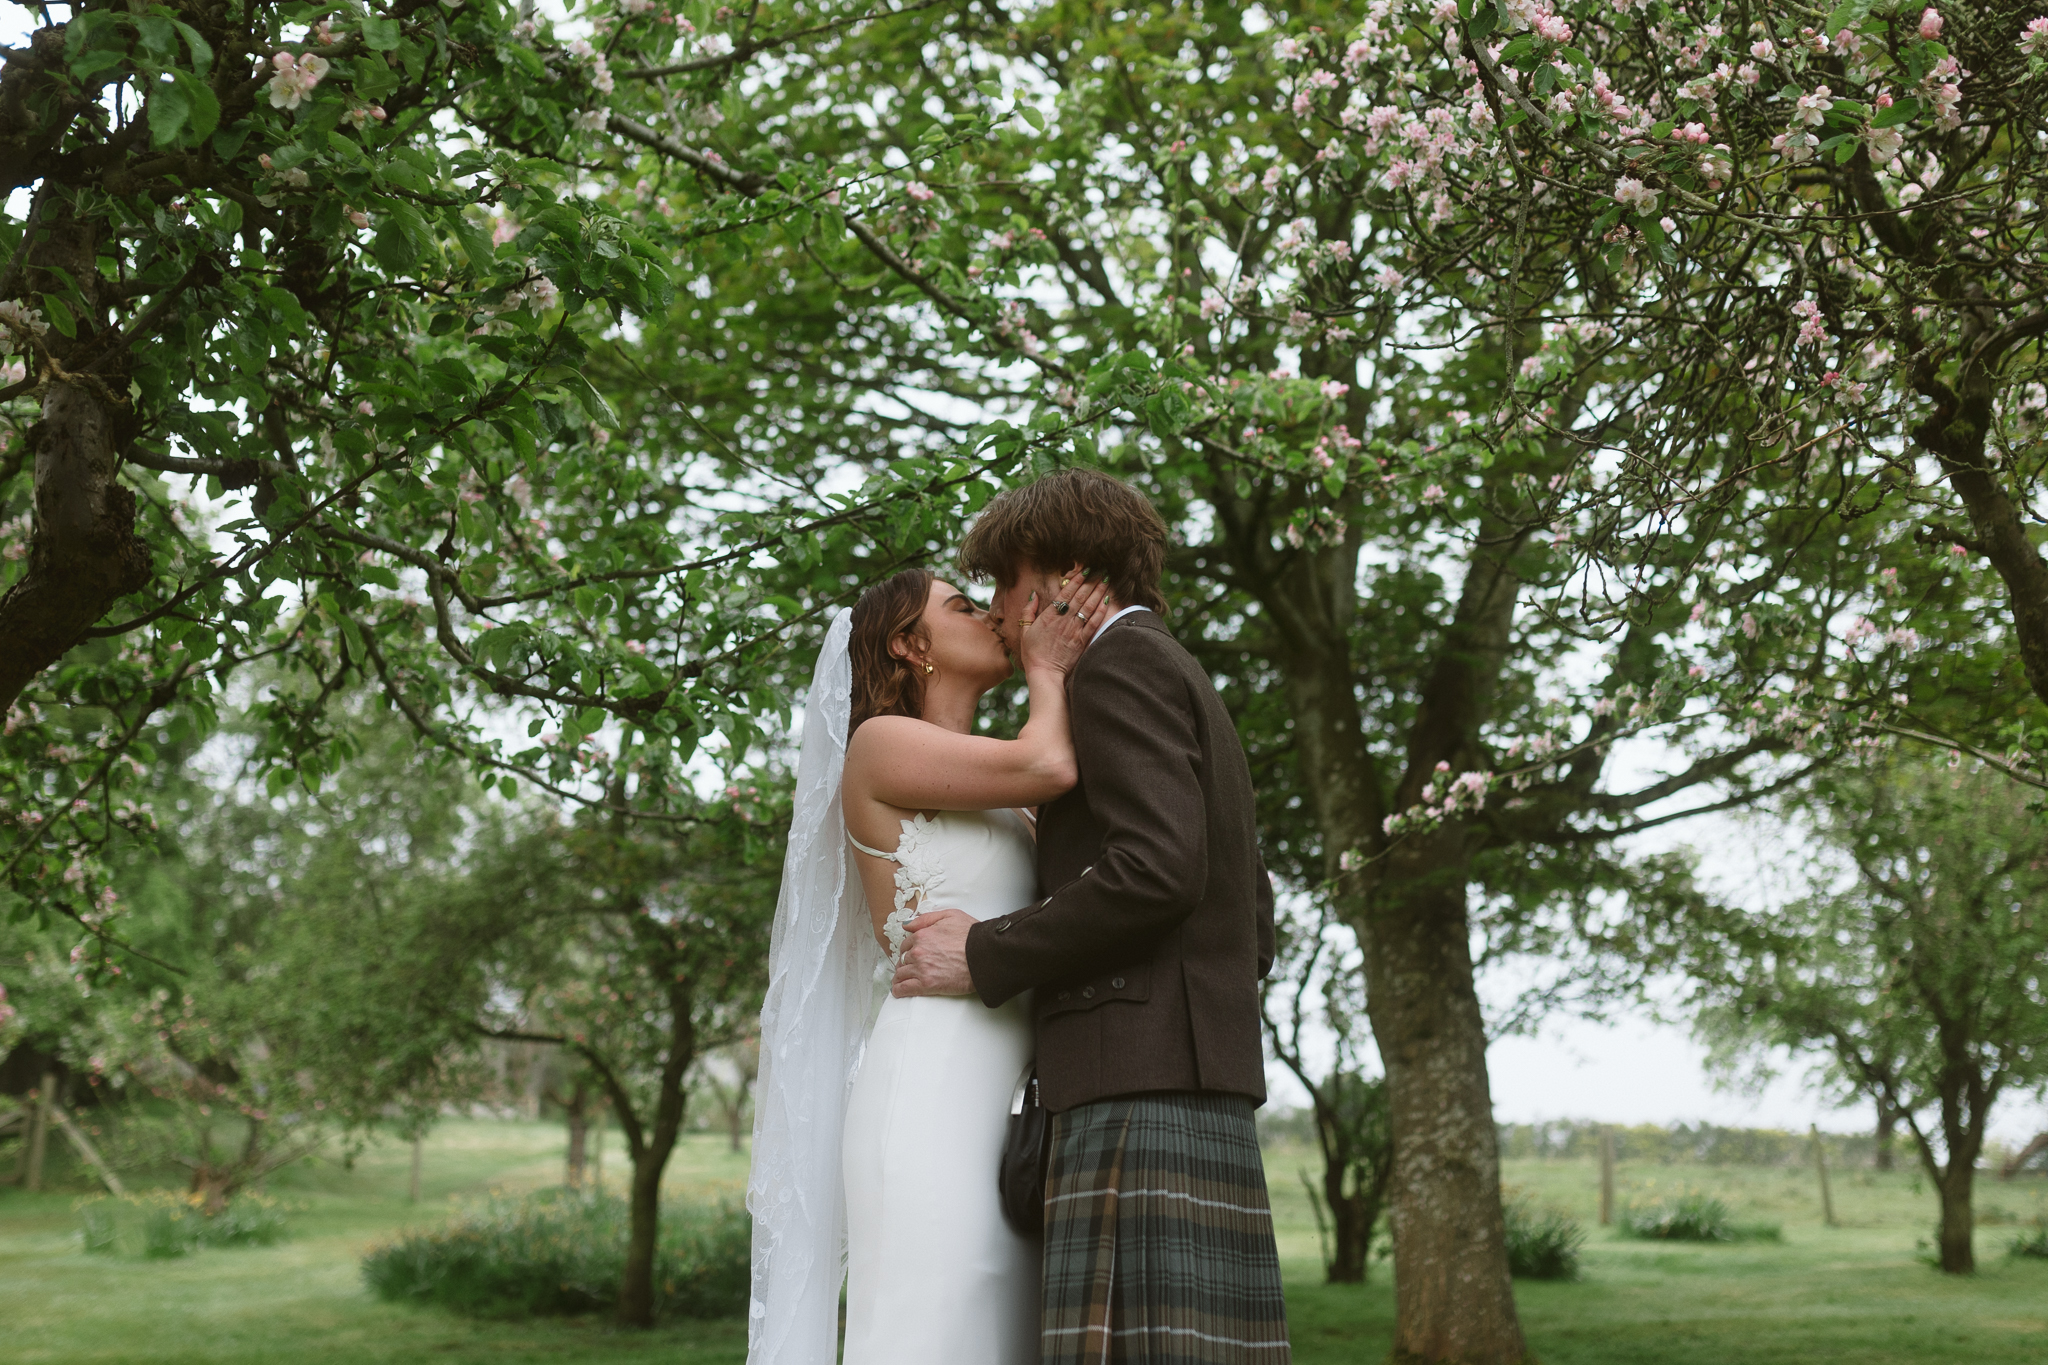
(380, 35)
(403, 237)
(60, 316)
(182, 108)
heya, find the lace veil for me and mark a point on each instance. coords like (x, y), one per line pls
(822, 961)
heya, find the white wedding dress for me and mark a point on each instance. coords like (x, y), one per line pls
(934, 1274)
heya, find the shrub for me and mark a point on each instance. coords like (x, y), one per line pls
(2033, 1242)
(161, 1224)
(559, 1252)
(1690, 1217)
(1680, 1218)
(1543, 1244)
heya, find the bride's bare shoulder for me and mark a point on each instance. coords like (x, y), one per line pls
(885, 729)
(879, 735)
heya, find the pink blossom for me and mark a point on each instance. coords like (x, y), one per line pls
(1433, 494)
(1794, 145)
(2034, 42)
(542, 294)
(1813, 329)
(1668, 223)
(1333, 390)
(365, 408)
(1884, 143)
(1930, 23)
(1290, 49)
(1763, 49)
(918, 190)
(295, 78)
(1631, 193)
(1552, 27)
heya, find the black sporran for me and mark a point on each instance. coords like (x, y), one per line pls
(1027, 1148)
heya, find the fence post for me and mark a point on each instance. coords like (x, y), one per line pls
(418, 1142)
(39, 1130)
(1820, 1161)
(1606, 1176)
(87, 1150)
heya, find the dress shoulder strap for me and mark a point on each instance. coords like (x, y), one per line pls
(871, 852)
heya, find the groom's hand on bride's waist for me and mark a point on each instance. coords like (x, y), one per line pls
(934, 960)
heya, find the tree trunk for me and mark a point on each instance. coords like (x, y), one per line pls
(1958, 1223)
(1351, 1219)
(1887, 1133)
(651, 1147)
(637, 1301)
(735, 1114)
(1454, 1300)
(39, 1133)
(2025, 1154)
(83, 552)
(576, 1110)
(1955, 1176)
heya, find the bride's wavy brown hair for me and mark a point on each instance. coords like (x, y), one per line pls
(883, 684)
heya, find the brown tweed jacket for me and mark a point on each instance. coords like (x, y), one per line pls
(1146, 955)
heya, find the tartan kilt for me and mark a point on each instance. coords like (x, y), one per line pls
(1159, 1238)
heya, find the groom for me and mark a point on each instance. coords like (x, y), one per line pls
(1145, 957)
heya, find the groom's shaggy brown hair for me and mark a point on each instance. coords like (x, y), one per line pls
(1075, 516)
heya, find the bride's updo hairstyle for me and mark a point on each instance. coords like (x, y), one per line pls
(883, 684)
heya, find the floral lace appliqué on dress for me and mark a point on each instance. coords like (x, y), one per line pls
(919, 872)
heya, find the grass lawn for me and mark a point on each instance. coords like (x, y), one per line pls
(1855, 1293)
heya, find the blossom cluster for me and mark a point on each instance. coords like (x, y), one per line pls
(295, 78)
(1442, 797)
(26, 323)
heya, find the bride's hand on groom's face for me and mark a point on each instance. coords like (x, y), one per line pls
(934, 960)
(1052, 638)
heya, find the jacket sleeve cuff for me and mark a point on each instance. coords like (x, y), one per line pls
(985, 965)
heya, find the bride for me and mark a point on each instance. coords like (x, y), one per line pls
(878, 1130)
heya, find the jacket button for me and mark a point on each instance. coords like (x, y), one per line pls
(1117, 984)
(1088, 993)
(1066, 995)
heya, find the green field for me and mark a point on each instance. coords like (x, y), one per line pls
(1855, 1293)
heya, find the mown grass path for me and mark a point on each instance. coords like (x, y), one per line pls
(1849, 1294)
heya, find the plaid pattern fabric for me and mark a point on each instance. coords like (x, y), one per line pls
(1158, 1237)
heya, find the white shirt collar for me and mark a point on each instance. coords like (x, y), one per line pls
(1112, 621)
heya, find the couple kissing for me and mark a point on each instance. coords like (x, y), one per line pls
(1079, 915)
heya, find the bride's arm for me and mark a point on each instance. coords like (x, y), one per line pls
(914, 765)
